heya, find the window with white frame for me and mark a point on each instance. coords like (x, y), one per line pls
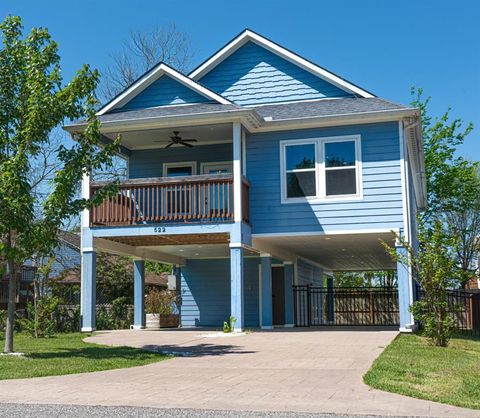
(321, 168)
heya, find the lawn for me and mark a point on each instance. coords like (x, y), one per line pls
(67, 354)
(411, 366)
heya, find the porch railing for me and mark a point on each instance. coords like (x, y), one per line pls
(205, 198)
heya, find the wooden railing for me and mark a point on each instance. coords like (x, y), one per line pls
(205, 198)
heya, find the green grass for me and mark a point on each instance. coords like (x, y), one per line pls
(411, 366)
(67, 354)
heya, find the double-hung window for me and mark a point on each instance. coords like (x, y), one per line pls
(322, 168)
(300, 170)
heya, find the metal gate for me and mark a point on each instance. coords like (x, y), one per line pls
(315, 306)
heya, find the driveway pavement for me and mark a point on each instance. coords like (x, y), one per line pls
(300, 371)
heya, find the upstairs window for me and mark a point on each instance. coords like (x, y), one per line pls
(323, 168)
(300, 170)
(340, 168)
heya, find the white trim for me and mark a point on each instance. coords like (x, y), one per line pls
(87, 329)
(154, 75)
(405, 205)
(248, 35)
(205, 165)
(244, 153)
(192, 164)
(237, 172)
(309, 233)
(85, 193)
(320, 170)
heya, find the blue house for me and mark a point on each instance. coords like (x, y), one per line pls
(258, 171)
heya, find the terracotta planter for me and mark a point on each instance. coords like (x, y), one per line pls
(169, 321)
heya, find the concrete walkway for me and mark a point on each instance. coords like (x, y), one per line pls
(300, 371)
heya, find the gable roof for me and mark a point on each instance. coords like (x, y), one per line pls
(249, 35)
(151, 76)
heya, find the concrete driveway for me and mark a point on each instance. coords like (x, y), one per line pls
(290, 370)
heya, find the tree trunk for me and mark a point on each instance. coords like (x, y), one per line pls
(12, 294)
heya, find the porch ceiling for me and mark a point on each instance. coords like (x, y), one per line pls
(144, 139)
(337, 252)
(172, 240)
(197, 251)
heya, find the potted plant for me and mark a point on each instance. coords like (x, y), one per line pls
(160, 306)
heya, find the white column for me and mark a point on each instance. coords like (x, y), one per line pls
(237, 172)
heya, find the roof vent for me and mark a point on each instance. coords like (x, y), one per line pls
(267, 118)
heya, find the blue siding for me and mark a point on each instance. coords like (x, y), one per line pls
(66, 257)
(205, 288)
(308, 273)
(254, 75)
(162, 92)
(149, 163)
(381, 206)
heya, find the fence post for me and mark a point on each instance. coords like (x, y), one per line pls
(475, 304)
(309, 306)
(330, 301)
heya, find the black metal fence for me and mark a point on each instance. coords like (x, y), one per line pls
(314, 306)
(464, 309)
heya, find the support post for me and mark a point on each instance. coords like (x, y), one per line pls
(404, 300)
(288, 275)
(138, 294)
(88, 291)
(237, 288)
(330, 301)
(266, 277)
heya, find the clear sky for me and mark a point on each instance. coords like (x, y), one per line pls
(384, 46)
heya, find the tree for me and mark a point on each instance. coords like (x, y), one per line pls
(141, 52)
(33, 102)
(433, 267)
(453, 186)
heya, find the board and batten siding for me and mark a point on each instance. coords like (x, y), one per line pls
(309, 273)
(149, 163)
(380, 208)
(205, 291)
(163, 92)
(253, 75)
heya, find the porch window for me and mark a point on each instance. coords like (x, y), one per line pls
(322, 168)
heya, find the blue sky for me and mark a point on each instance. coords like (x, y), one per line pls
(384, 46)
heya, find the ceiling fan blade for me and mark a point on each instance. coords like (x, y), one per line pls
(169, 145)
(189, 140)
(186, 144)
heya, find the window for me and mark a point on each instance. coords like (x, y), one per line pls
(321, 168)
(300, 162)
(179, 169)
(340, 168)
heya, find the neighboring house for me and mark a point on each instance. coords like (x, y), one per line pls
(257, 171)
(66, 266)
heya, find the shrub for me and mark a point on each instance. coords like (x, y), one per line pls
(40, 322)
(229, 326)
(104, 319)
(160, 302)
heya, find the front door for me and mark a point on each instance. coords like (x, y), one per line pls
(278, 296)
(218, 199)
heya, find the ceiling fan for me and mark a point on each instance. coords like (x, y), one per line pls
(177, 139)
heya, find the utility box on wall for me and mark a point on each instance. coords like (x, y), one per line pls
(172, 282)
